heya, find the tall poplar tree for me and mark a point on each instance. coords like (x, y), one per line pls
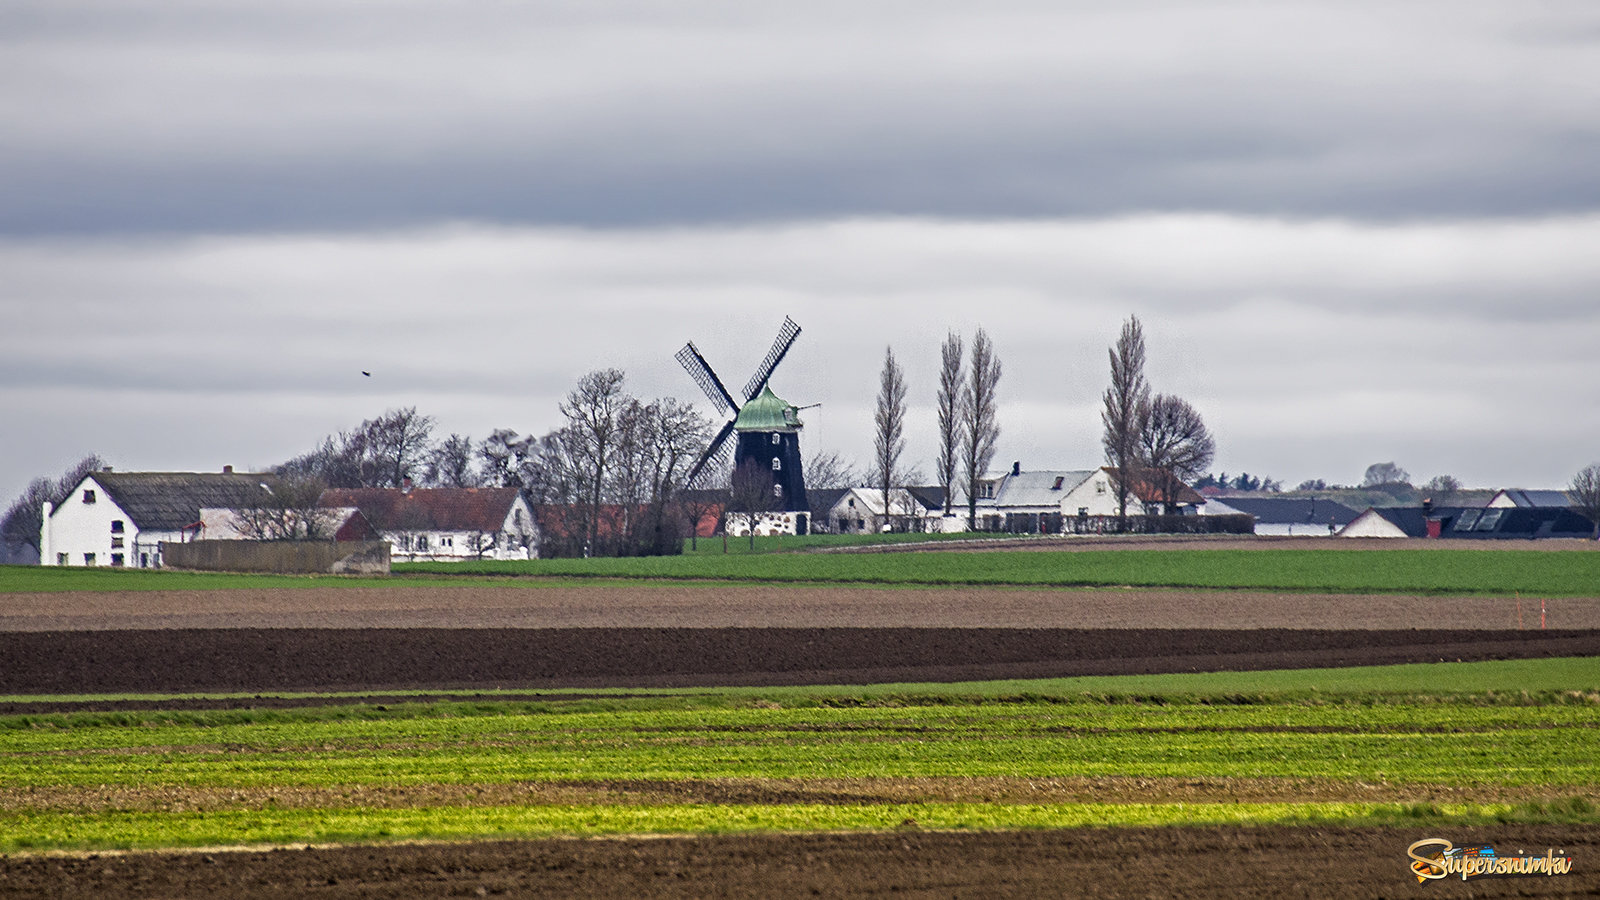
(980, 427)
(890, 419)
(1128, 394)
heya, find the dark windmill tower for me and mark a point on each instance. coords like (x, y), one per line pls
(767, 426)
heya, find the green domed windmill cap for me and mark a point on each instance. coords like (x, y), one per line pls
(767, 412)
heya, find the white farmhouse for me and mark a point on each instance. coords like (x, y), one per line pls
(445, 524)
(860, 510)
(1055, 501)
(121, 518)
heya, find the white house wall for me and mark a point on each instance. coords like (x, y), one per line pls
(77, 533)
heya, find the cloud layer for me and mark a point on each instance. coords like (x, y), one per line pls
(1313, 347)
(302, 115)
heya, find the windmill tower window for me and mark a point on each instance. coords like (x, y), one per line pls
(775, 438)
(777, 464)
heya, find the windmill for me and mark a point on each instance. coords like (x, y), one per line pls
(767, 426)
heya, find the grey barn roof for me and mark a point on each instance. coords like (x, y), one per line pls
(1538, 499)
(169, 501)
(1293, 510)
(1038, 488)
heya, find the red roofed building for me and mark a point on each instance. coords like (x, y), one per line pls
(445, 524)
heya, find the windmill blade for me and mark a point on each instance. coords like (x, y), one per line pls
(780, 346)
(714, 452)
(695, 364)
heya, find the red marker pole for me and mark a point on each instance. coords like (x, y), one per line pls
(1541, 613)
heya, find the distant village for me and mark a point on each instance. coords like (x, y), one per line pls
(625, 476)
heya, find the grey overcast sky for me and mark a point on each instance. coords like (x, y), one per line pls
(1355, 231)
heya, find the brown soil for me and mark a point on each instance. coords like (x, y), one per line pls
(373, 659)
(470, 605)
(1088, 862)
(767, 791)
(375, 640)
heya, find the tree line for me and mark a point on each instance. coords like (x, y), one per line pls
(608, 474)
(1157, 438)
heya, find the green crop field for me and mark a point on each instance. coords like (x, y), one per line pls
(1418, 743)
(1432, 571)
(1458, 572)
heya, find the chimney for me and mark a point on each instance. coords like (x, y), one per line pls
(1427, 506)
(1016, 467)
(106, 469)
(227, 470)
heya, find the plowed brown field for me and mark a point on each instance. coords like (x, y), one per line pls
(535, 638)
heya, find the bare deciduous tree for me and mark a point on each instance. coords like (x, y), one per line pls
(751, 494)
(980, 426)
(1585, 491)
(450, 464)
(1123, 399)
(25, 517)
(397, 445)
(890, 422)
(507, 460)
(1174, 445)
(1385, 473)
(830, 470)
(1442, 489)
(287, 510)
(952, 388)
(593, 410)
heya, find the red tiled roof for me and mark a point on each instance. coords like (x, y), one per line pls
(437, 509)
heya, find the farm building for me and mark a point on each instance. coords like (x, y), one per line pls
(445, 524)
(121, 518)
(860, 510)
(1288, 516)
(1052, 501)
(1468, 523)
(1508, 498)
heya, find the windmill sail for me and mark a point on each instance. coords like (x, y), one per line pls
(714, 452)
(695, 364)
(780, 346)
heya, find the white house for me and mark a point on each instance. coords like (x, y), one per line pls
(860, 510)
(445, 524)
(121, 518)
(1053, 501)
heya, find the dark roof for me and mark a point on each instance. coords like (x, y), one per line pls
(930, 496)
(1478, 523)
(1538, 499)
(1293, 510)
(169, 501)
(824, 499)
(423, 509)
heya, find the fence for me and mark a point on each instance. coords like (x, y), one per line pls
(279, 557)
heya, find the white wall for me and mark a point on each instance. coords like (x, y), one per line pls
(77, 529)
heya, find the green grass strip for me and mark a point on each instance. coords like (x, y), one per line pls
(36, 831)
(1449, 572)
(1436, 572)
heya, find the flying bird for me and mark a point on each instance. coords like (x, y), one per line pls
(366, 373)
